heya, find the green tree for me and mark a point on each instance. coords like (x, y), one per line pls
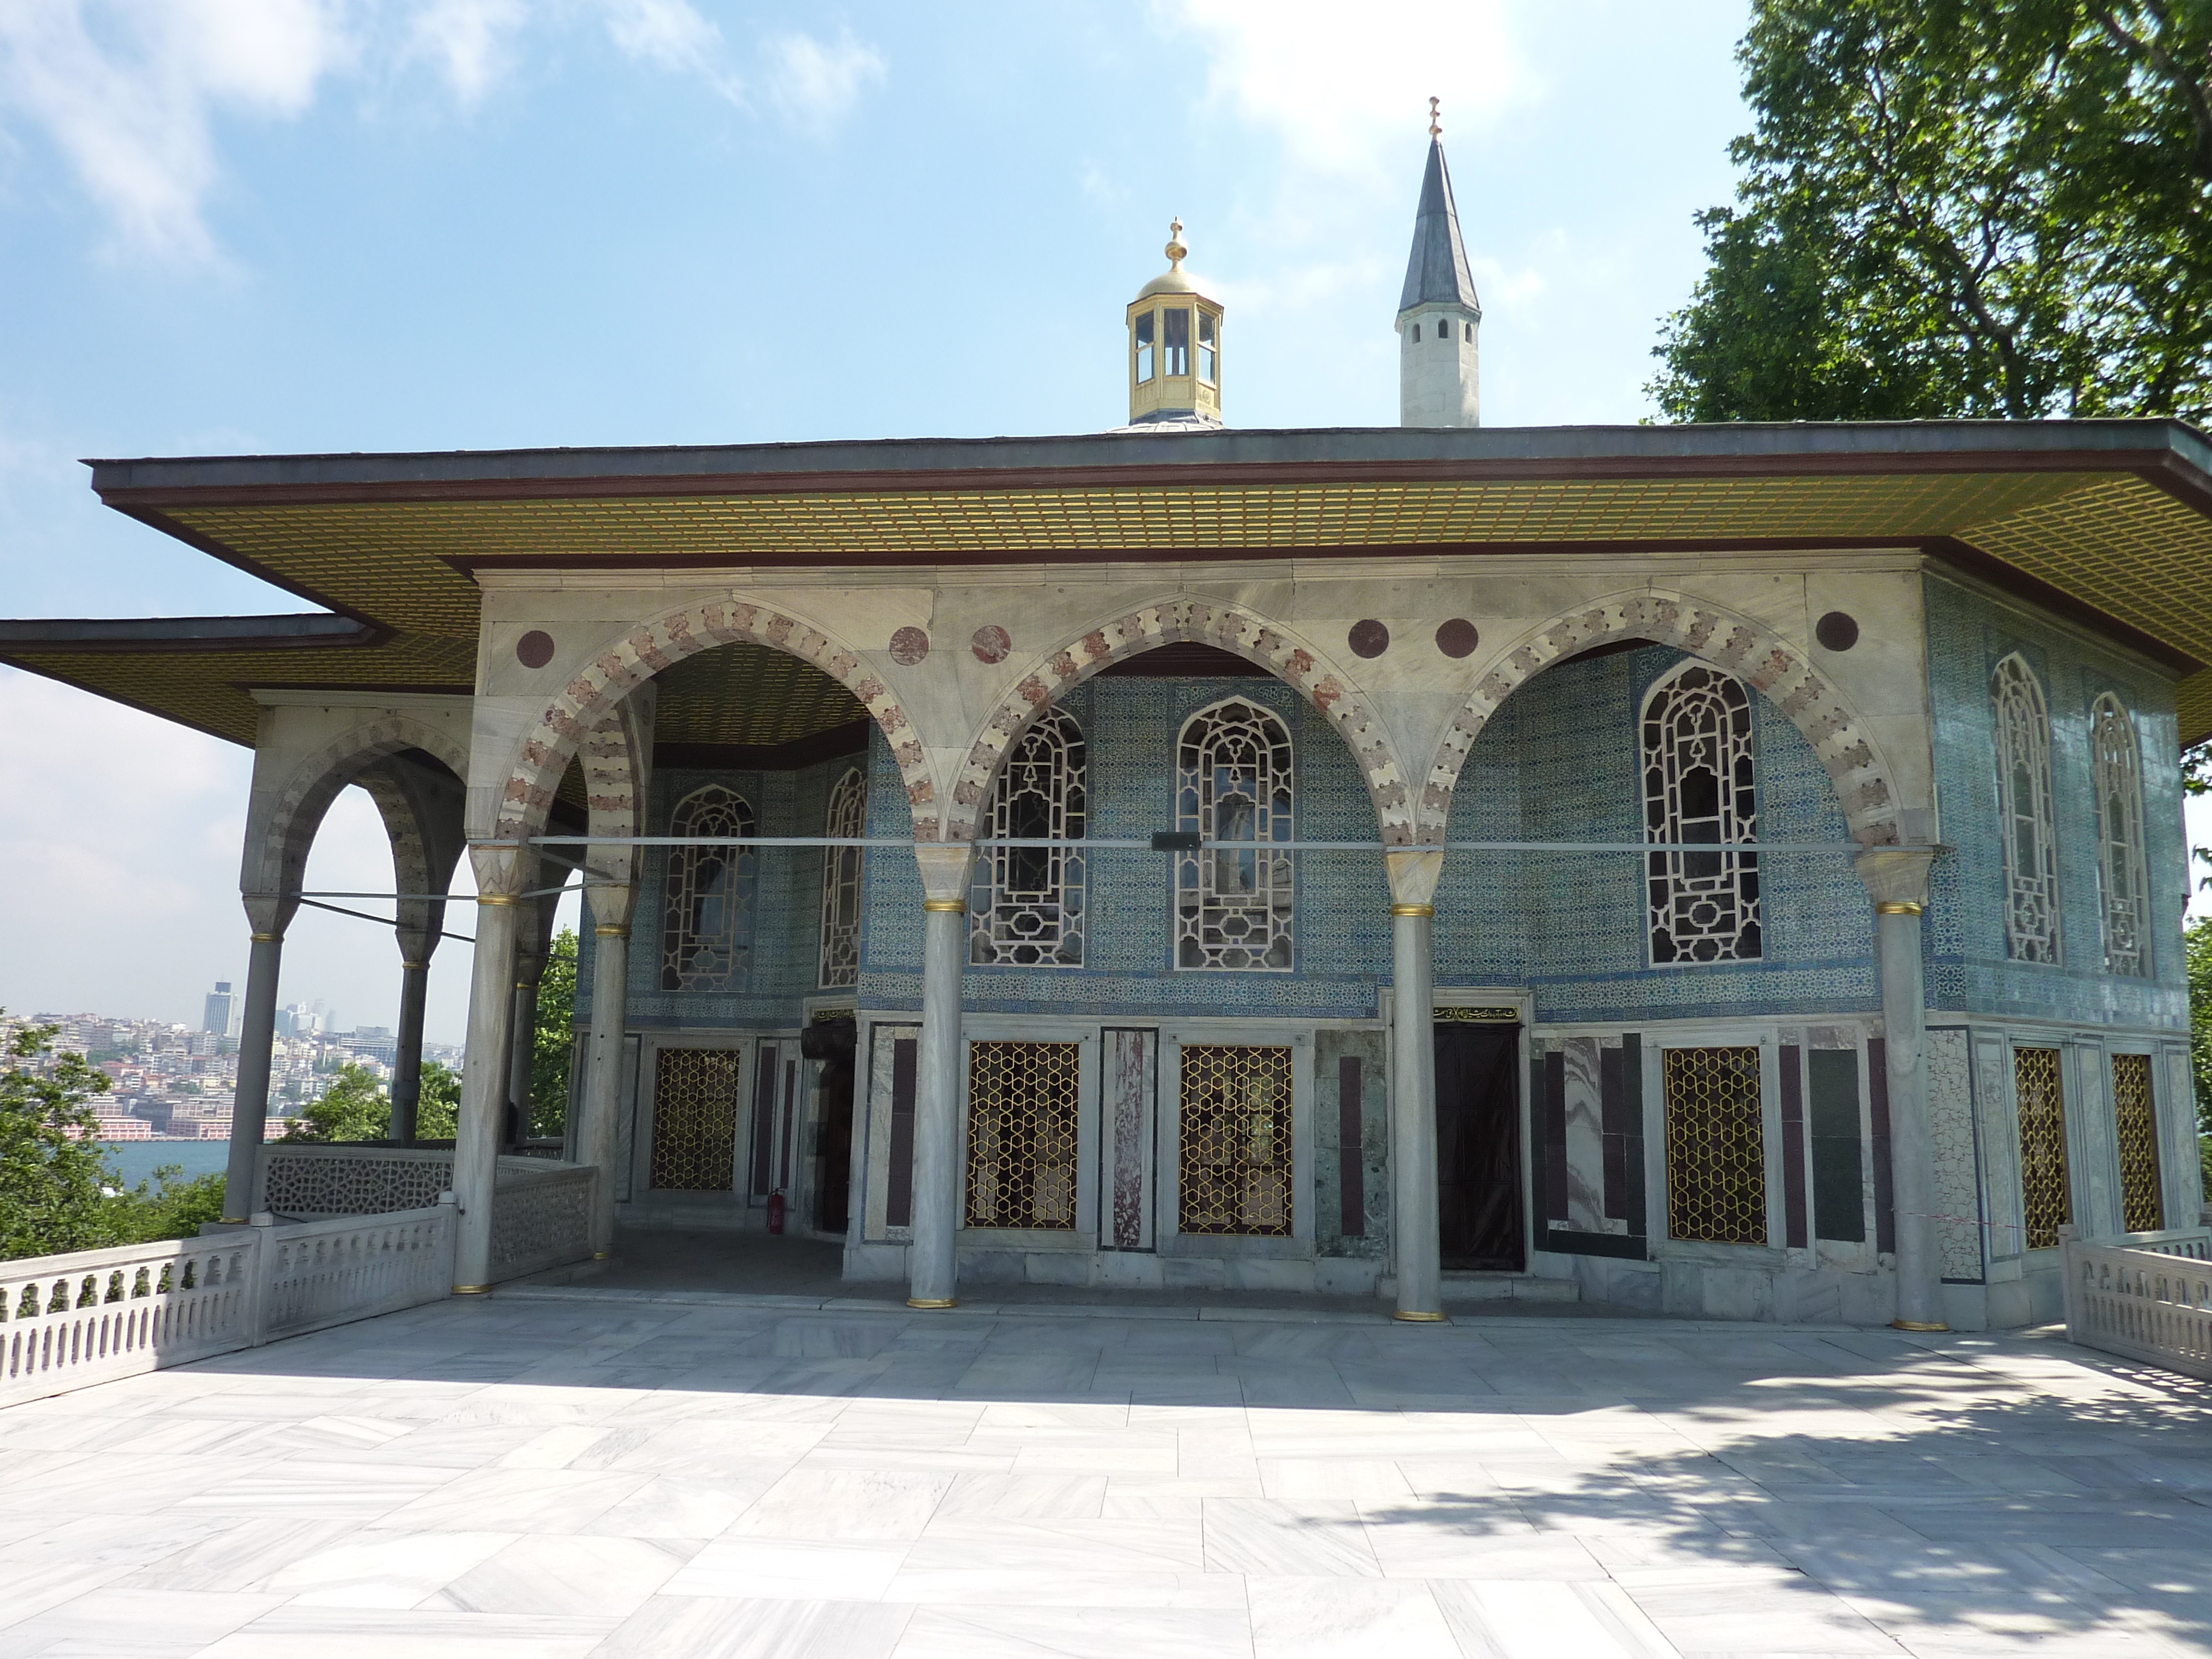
(54, 1178)
(438, 1108)
(2200, 1035)
(354, 1108)
(555, 1038)
(173, 1207)
(1987, 208)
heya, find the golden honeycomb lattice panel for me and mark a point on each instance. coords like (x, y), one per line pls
(694, 1119)
(1235, 1168)
(1023, 1120)
(2039, 1096)
(1716, 1146)
(2135, 1125)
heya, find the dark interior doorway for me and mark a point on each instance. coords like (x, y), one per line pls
(831, 1042)
(1478, 1146)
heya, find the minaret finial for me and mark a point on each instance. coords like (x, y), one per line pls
(1435, 127)
(1176, 251)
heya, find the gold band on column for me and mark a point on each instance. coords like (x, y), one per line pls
(424, 966)
(932, 1303)
(1419, 1318)
(1414, 910)
(602, 1255)
(1915, 1325)
(495, 898)
(1899, 908)
(950, 907)
(471, 1289)
(267, 938)
(235, 1221)
(611, 930)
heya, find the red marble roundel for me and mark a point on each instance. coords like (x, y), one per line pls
(1369, 638)
(1836, 631)
(1458, 637)
(992, 644)
(534, 650)
(908, 646)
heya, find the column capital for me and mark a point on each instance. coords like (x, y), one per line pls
(1895, 876)
(947, 866)
(502, 873)
(1414, 877)
(268, 915)
(613, 905)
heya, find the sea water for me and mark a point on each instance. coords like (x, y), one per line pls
(136, 1160)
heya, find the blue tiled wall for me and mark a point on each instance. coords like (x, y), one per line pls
(787, 921)
(1560, 762)
(1968, 967)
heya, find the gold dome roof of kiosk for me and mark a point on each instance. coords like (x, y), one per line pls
(1174, 279)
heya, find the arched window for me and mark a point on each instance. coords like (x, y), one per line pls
(1233, 783)
(706, 926)
(2024, 813)
(2116, 761)
(1026, 908)
(840, 883)
(1698, 787)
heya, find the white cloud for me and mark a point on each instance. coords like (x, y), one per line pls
(126, 88)
(1345, 100)
(816, 86)
(471, 42)
(670, 35)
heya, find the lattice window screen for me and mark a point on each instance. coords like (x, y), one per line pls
(706, 926)
(1234, 782)
(2117, 765)
(2024, 813)
(1023, 1116)
(2135, 1125)
(1716, 1145)
(2039, 1096)
(694, 1119)
(1699, 787)
(840, 884)
(1026, 907)
(1235, 1169)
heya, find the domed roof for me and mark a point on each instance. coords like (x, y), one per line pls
(1174, 279)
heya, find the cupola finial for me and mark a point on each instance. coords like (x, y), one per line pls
(1436, 126)
(1176, 251)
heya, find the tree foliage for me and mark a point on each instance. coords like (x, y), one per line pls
(438, 1108)
(554, 1041)
(354, 1108)
(2200, 1034)
(1959, 208)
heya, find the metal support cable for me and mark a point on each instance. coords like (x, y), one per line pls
(1131, 843)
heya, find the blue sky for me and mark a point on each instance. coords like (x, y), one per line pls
(299, 225)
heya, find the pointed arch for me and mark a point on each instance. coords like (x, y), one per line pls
(839, 957)
(2116, 768)
(276, 858)
(639, 652)
(2027, 818)
(1265, 643)
(1731, 643)
(1236, 779)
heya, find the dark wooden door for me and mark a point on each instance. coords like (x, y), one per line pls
(1478, 1146)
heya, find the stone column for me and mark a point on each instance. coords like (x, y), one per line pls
(932, 1267)
(407, 1050)
(483, 1078)
(1898, 880)
(598, 1136)
(268, 915)
(1413, 1085)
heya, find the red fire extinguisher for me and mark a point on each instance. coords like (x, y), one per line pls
(775, 1211)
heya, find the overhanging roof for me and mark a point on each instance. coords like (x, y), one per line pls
(2108, 520)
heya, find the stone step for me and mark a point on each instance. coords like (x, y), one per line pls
(1496, 1287)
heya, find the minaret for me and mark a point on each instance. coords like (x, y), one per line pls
(1439, 318)
(1175, 347)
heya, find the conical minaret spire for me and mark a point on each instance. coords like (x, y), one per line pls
(1439, 318)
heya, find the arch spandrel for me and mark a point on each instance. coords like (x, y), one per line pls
(644, 649)
(1714, 633)
(1280, 650)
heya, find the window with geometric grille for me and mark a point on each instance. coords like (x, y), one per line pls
(694, 1119)
(706, 924)
(1716, 1145)
(2135, 1127)
(1234, 1171)
(1233, 784)
(1025, 909)
(2046, 1197)
(840, 884)
(2024, 813)
(1698, 788)
(2116, 765)
(1022, 1122)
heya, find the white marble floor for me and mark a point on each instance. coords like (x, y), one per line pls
(510, 1478)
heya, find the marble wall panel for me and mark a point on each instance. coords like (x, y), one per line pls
(1958, 1183)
